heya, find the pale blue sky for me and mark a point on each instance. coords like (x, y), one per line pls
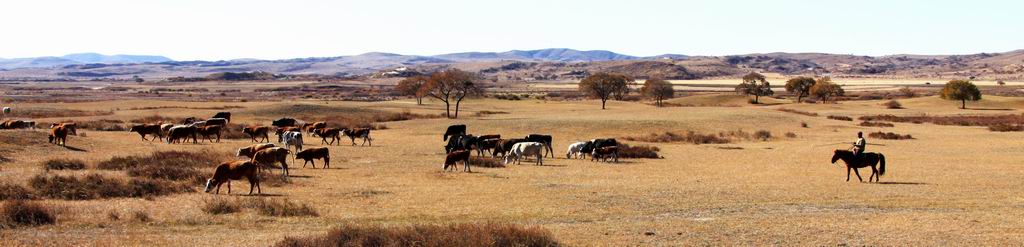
(211, 29)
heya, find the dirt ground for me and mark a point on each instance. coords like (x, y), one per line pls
(951, 185)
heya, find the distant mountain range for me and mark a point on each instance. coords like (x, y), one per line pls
(543, 64)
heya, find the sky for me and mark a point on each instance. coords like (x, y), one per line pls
(230, 29)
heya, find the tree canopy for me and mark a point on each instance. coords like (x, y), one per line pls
(755, 84)
(413, 86)
(961, 90)
(801, 86)
(658, 89)
(826, 91)
(604, 86)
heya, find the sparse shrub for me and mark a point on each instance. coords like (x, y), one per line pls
(14, 192)
(95, 186)
(907, 92)
(804, 124)
(63, 164)
(889, 136)
(840, 118)
(113, 215)
(1006, 127)
(638, 152)
(876, 124)
(892, 104)
(17, 213)
(690, 137)
(805, 113)
(217, 205)
(486, 112)
(192, 167)
(790, 135)
(280, 207)
(487, 162)
(141, 216)
(763, 135)
(469, 234)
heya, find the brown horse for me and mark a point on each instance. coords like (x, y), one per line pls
(854, 162)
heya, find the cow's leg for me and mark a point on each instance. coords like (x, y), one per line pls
(229, 186)
(327, 162)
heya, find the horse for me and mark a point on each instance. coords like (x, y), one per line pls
(854, 162)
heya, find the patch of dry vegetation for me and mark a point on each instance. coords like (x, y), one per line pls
(280, 207)
(876, 124)
(465, 234)
(347, 117)
(889, 136)
(794, 111)
(1006, 127)
(840, 118)
(700, 138)
(168, 165)
(63, 164)
(14, 192)
(999, 121)
(486, 162)
(20, 213)
(35, 113)
(639, 152)
(96, 186)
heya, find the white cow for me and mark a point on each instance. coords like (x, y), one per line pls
(574, 150)
(522, 149)
(292, 138)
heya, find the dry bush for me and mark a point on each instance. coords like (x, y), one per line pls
(689, 137)
(35, 113)
(182, 166)
(804, 124)
(280, 207)
(141, 216)
(465, 234)
(218, 205)
(805, 113)
(762, 135)
(19, 213)
(63, 164)
(233, 131)
(876, 124)
(485, 113)
(840, 118)
(790, 135)
(961, 120)
(638, 152)
(1006, 127)
(14, 192)
(889, 136)
(95, 186)
(892, 104)
(486, 162)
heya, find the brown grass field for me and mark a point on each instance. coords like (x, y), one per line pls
(950, 185)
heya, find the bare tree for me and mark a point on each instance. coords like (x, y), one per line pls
(605, 86)
(452, 85)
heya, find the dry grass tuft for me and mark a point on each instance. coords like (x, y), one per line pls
(1006, 127)
(889, 136)
(35, 113)
(486, 162)
(63, 164)
(689, 137)
(790, 135)
(840, 118)
(638, 152)
(18, 213)
(892, 104)
(218, 205)
(14, 192)
(486, 112)
(96, 186)
(876, 124)
(465, 234)
(141, 216)
(181, 166)
(805, 113)
(280, 207)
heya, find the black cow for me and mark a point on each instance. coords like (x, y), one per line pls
(190, 120)
(597, 143)
(216, 122)
(460, 142)
(504, 146)
(285, 122)
(224, 115)
(544, 139)
(454, 130)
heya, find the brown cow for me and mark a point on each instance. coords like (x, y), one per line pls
(363, 133)
(257, 131)
(311, 128)
(333, 133)
(487, 144)
(454, 157)
(252, 149)
(182, 132)
(311, 154)
(147, 129)
(234, 170)
(59, 135)
(71, 127)
(208, 131)
(269, 156)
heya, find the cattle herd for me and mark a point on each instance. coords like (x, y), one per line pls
(289, 131)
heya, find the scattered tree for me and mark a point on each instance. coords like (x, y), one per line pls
(605, 86)
(961, 90)
(413, 86)
(755, 84)
(1001, 83)
(658, 89)
(453, 84)
(801, 86)
(825, 90)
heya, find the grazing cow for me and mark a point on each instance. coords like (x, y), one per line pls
(280, 131)
(59, 135)
(252, 149)
(597, 143)
(545, 139)
(225, 115)
(285, 122)
(147, 129)
(257, 131)
(208, 131)
(72, 127)
(18, 124)
(521, 150)
(363, 133)
(603, 153)
(454, 130)
(215, 122)
(165, 129)
(460, 142)
(182, 132)
(292, 138)
(486, 144)
(329, 133)
(454, 157)
(234, 170)
(7, 110)
(574, 150)
(311, 128)
(311, 154)
(269, 156)
(190, 120)
(504, 146)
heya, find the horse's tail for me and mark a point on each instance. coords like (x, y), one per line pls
(881, 167)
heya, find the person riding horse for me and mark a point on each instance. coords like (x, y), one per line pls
(859, 145)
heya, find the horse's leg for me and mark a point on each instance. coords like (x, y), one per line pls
(847, 174)
(856, 171)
